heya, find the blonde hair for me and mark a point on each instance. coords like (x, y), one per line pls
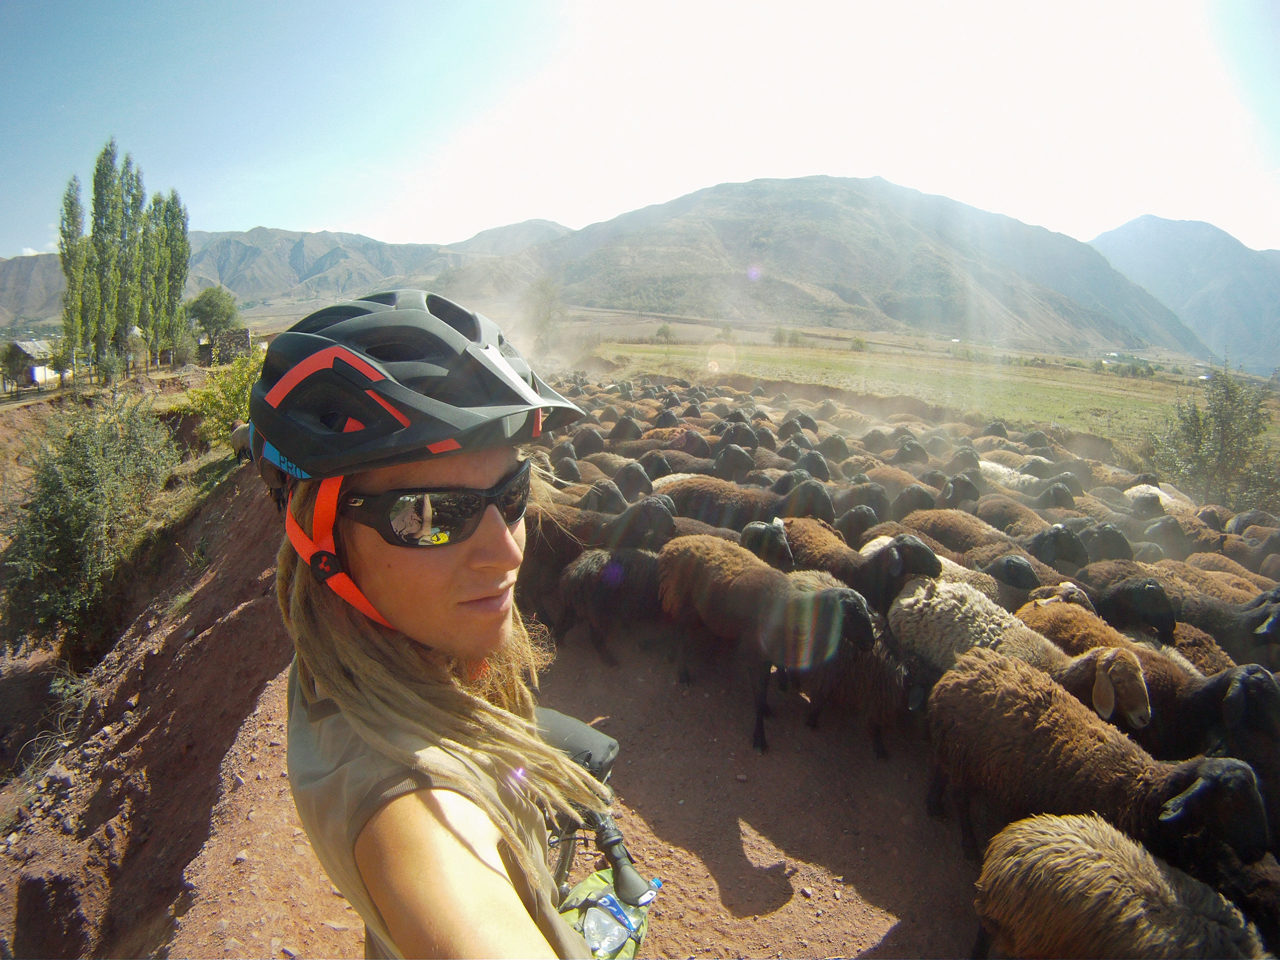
(402, 698)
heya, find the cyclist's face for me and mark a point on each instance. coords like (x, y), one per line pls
(457, 598)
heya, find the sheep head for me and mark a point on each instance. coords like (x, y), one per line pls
(1118, 683)
(768, 541)
(1252, 699)
(1217, 799)
(646, 524)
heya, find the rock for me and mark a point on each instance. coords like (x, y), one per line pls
(741, 778)
(241, 857)
(806, 892)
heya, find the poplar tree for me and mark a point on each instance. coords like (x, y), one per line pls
(132, 199)
(179, 248)
(106, 229)
(130, 270)
(73, 254)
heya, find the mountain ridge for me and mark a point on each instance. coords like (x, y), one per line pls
(815, 251)
(1226, 292)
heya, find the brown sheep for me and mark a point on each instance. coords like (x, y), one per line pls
(735, 595)
(1075, 886)
(1003, 728)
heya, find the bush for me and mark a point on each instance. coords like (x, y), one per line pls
(1218, 452)
(224, 398)
(95, 478)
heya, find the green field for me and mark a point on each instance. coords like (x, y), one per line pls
(1023, 391)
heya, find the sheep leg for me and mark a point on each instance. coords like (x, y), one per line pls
(982, 944)
(933, 801)
(598, 636)
(877, 740)
(968, 839)
(760, 683)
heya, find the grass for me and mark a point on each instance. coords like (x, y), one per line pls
(1021, 390)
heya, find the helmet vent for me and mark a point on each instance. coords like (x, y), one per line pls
(460, 319)
(321, 319)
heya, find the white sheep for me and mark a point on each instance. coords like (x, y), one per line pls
(935, 621)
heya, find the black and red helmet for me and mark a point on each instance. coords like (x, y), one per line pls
(393, 377)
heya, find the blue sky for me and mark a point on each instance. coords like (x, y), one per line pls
(428, 122)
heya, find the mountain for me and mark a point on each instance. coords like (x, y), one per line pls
(1227, 293)
(817, 251)
(30, 291)
(864, 254)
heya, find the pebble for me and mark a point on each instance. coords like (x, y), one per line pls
(288, 952)
(806, 892)
(273, 743)
(340, 927)
(238, 782)
(741, 778)
(132, 701)
(241, 857)
(221, 926)
(836, 894)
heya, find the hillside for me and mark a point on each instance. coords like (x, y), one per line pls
(817, 251)
(1227, 293)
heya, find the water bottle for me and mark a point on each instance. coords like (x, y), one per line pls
(606, 926)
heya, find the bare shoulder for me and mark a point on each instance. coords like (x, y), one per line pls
(431, 862)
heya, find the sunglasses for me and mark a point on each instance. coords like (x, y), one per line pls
(438, 517)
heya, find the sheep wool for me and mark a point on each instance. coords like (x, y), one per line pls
(1075, 886)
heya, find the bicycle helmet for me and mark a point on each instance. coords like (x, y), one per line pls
(392, 377)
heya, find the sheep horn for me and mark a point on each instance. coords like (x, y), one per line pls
(1175, 808)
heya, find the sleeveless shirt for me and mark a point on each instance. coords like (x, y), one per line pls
(339, 782)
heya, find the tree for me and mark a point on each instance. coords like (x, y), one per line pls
(130, 271)
(106, 227)
(73, 254)
(214, 310)
(1215, 450)
(664, 334)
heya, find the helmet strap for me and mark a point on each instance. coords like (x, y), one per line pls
(320, 555)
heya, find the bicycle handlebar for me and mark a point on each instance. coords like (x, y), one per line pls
(631, 888)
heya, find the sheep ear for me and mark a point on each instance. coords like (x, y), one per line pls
(1235, 702)
(1269, 629)
(1175, 808)
(896, 562)
(1104, 693)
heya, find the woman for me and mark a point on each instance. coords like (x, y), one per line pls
(394, 423)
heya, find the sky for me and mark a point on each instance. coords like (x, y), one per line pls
(427, 122)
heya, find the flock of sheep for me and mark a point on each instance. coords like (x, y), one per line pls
(1088, 648)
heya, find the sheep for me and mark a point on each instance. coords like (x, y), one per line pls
(875, 572)
(1000, 726)
(242, 442)
(607, 588)
(1009, 516)
(1075, 886)
(937, 621)
(768, 541)
(1218, 563)
(737, 596)
(555, 534)
(955, 529)
(725, 504)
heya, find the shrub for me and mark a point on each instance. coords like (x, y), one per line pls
(223, 399)
(1218, 452)
(95, 478)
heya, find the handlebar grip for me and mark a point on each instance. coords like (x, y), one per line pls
(627, 882)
